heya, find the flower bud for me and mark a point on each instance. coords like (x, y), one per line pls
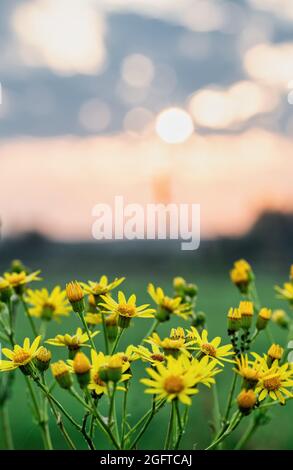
(246, 311)
(82, 367)
(115, 368)
(111, 327)
(191, 290)
(241, 275)
(42, 359)
(17, 266)
(234, 320)
(280, 318)
(246, 401)
(123, 321)
(199, 319)
(263, 318)
(179, 283)
(103, 373)
(61, 373)
(162, 314)
(275, 352)
(75, 296)
(5, 290)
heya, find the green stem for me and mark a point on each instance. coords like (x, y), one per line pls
(85, 325)
(153, 328)
(100, 420)
(170, 428)
(254, 336)
(7, 435)
(143, 418)
(124, 415)
(145, 426)
(111, 407)
(234, 423)
(269, 335)
(216, 410)
(58, 419)
(41, 419)
(247, 434)
(105, 333)
(116, 342)
(230, 398)
(29, 317)
(179, 423)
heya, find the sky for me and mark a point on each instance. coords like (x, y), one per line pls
(154, 100)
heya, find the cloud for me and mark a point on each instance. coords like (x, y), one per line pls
(270, 63)
(66, 36)
(221, 108)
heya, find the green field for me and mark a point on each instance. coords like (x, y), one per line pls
(216, 295)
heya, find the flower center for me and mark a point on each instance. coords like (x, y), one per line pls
(173, 384)
(126, 310)
(167, 304)
(98, 381)
(209, 349)
(158, 357)
(272, 383)
(21, 356)
(16, 278)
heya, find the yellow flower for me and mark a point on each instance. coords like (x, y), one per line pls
(48, 305)
(102, 287)
(74, 342)
(129, 355)
(285, 292)
(100, 364)
(206, 369)
(250, 371)
(168, 305)
(172, 345)
(177, 378)
(212, 348)
(125, 310)
(154, 357)
(275, 381)
(20, 279)
(20, 356)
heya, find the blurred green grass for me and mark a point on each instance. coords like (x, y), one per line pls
(216, 295)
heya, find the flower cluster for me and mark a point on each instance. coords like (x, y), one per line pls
(172, 367)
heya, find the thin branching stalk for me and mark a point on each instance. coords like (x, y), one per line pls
(145, 426)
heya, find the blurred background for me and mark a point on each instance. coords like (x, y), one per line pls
(157, 101)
